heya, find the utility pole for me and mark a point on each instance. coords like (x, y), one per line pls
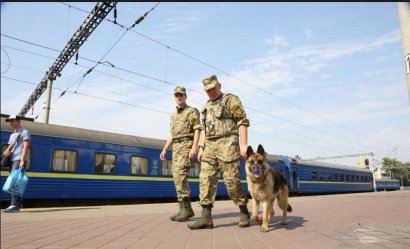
(48, 101)
(404, 16)
(96, 16)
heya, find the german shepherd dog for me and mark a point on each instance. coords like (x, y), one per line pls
(265, 184)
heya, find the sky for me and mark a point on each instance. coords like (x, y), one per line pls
(316, 79)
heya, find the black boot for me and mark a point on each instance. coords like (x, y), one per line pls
(206, 220)
(179, 212)
(245, 216)
(186, 211)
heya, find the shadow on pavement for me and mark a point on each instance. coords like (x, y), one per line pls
(293, 221)
(58, 210)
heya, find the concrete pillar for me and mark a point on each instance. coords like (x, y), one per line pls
(48, 100)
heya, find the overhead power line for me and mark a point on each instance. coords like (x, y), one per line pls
(100, 61)
(92, 96)
(95, 17)
(271, 94)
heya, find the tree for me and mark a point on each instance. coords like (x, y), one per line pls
(396, 169)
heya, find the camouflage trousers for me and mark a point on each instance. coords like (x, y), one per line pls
(180, 168)
(221, 155)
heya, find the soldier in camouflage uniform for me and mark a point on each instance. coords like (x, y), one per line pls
(184, 135)
(224, 121)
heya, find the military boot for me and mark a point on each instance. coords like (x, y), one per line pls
(206, 220)
(179, 212)
(186, 211)
(245, 216)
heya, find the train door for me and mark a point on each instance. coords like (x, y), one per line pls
(288, 173)
(295, 184)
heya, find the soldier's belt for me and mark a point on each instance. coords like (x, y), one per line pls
(181, 139)
(221, 136)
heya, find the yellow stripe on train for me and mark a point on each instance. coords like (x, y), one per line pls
(101, 177)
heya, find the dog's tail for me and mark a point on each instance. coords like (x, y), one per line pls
(289, 208)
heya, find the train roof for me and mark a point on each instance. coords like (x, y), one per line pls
(279, 158)
(330, 165)
(86, 134)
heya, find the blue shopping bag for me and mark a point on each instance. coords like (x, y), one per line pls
(16, 182)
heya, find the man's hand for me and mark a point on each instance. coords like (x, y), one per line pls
(163, 154)
(200, 152)
(21, 164)
(7, 153)
(244, 148)
(192, 153)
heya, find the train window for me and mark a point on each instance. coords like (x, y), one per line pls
(105, 163)
(166, 166)
(139, 165)
(337, 177)
(28, 157)
(64, 161)
(328, 177)
(322, 176)
(314, 176)
(342, 178)
(194, 170)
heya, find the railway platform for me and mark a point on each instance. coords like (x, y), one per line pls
(364, 220)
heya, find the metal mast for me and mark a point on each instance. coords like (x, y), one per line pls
(96, 16)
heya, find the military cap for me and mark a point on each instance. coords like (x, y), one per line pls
(180, 89)
(210, 82)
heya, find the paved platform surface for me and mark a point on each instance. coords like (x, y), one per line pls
(365, 220)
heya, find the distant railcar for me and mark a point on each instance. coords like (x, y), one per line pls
(386, 184)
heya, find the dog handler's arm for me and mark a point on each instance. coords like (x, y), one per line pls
(166, 147)
(26, 145)
(201, 145)
(243, 136)
(194, 149)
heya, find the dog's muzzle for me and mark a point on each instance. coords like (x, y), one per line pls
(257, 170)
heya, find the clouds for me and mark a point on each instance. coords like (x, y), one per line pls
(297, 71)
(176, 22)
(279, 67)
(276, 40)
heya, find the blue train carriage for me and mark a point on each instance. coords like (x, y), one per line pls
(319, 177)
(73, 163)
(387, 184)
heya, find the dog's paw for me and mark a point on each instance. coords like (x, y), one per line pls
(284, 222)
(264, 227)
(257, 220)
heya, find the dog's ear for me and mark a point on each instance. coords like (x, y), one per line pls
(249, 151)
(261, 150)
